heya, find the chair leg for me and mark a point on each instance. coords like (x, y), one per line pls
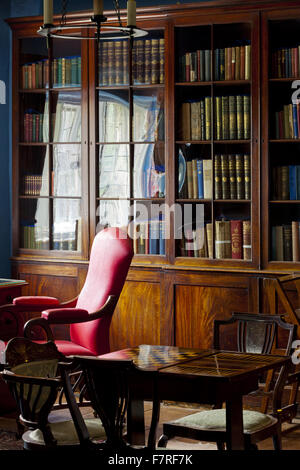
(277, 441)
(163, 441)
(221, 445)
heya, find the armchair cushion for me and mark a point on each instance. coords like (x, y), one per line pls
(216, 420)
(35, 300)
(65, 315)
(65, 433)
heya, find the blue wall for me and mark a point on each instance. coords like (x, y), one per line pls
(14, 8)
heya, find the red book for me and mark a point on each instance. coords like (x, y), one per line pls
(236, 239)
(242, 63)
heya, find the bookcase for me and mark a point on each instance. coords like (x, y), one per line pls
(195, 152)
(281, 138)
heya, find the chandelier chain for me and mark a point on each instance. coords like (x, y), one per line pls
(64, 5)
(117, 9)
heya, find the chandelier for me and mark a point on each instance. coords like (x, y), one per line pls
(96, 28)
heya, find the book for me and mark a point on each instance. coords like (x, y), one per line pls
(195, 121)
(247, 176)
(207, 179)
(232, 118)
(189, 171)
(200, 179)
(195, 179)
(218, 177)
(225, 177)
(185, 121)
(236, 239)
(287, 242)
(222, 239)
(209, 237)
(295, 241)
(246, 239)
(240, 178)
(232, 176)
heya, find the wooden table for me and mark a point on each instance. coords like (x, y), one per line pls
(195, 376)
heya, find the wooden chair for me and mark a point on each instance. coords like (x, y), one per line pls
(255, 333)
(109, 385)
(35, 384)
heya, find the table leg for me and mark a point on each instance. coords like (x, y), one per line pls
(136, 422)
(234, 424)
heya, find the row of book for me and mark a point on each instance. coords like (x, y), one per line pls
(32, 184)
(198, 179)
(66, 71)
(285, 242)
(148, 62)
(35, 75)
(287, 122)
(233, 63)
(285, 62)
(232, 176)
(286, 183)
(231, 118)
(149, 237)
(61, 241)
(232, 240)
(33, 126)
(195, 66)
(230, 63)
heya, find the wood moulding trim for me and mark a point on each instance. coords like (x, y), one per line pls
(160, 11)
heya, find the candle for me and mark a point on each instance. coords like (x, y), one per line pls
(98, 7)
(131, 13)
(48, 11)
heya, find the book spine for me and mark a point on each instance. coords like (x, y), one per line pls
(232, 118)
(295, 240)
(240, 187)
(247, 176)
(155, 60)
(285, 189)
(242, 63)
(200, 179)
(247, 62)
(225, 176)
(189, 170)
(161, 61)
(207, 179)
(217, 64)
(218, 118)
(118, 63)
(232, 176)
(207, 55)
(195, 121)
(237, 62)
(209, 237)
(246, 239)
(225, 117)
(246, 103)
(287, 243)
(239, 117)
(222, 64)
(207, 118)
(195, 179)
(293, 182)
(218, 177)
(236, 239)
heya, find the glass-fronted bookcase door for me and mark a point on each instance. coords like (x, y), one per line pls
(129, 139)
(49, 147)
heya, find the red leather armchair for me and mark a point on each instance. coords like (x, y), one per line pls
(90, 314)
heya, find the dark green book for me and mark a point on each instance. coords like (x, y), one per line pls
(218, 177)
(225, 117)
(225, 177)
(247, 176)
(232, 176)
(240, 179)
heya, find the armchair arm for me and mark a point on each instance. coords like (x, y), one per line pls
(65, 315)
(41, 302)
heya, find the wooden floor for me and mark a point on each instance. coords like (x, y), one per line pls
(290, 441)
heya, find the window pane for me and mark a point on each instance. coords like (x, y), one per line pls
(66, 174)
(113, 111)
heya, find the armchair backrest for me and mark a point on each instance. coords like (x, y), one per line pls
(110, 258)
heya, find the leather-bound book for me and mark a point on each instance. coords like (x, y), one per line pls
(236, 239)
(195, 121)
(207, 118)
(233, 63)
(225, 117)
(225, 176)
(147, 68)
(207, 179)
(247, 62)
(118, 63)
(232, 176)
(185, 121)
(161, 60)
(218, 118)
(240, 178)
(222, 64)
(284, 182)
(246, 239)
(140, 61)
(247, 176)
(232, 118)
(218, 177)
(242, 63)
(237, 62)
(295, 240)
(155, 59)
(209, 236)
(125, 63)
(246, 105)
(239, 117)
(287, 242)
(222, 239)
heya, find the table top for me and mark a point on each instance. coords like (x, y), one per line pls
(12, 282)
(197, 362)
